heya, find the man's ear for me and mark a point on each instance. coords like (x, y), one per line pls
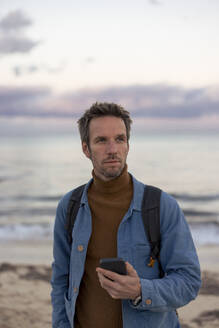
(85, 149)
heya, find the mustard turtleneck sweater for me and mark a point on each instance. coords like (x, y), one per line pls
(108, 201)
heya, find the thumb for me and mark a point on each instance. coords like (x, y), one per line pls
(130, 270)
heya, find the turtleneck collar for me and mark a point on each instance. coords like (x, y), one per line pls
(112, 186)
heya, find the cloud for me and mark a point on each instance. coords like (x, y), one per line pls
(154, 2)
(159, 101)
(12, 34)
(89, 60)
(12, 45)
(17, 71)
(20, 70)
(14, 20)
(23, 101)
(154, 108)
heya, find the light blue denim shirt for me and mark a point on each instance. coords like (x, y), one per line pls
(160, 297)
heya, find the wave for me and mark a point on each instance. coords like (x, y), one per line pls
(45, 198)
(50, 211)
(203, 234)
(29, 212)
(201, 217)
(191, 212)
(26, 232)
(55, 198)
(195, 198)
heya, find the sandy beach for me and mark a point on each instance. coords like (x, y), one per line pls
(25, 271)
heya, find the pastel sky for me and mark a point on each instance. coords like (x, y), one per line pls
(157, 58)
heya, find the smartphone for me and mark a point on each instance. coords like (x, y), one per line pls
(114, 264)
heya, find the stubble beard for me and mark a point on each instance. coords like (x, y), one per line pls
(112, 173)
(109, 173)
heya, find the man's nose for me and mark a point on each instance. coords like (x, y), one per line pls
(111, 147)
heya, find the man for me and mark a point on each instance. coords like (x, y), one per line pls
(109, 224)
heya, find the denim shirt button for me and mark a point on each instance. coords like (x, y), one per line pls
(75, 289)
(80, 248)
(148, 301)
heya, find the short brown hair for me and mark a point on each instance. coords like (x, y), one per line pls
(99, 110)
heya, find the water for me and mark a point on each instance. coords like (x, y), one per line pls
(36, 172)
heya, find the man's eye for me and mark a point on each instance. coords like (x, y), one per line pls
(101, 140)
(120, 139)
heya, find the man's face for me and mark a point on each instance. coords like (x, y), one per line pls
(108, 147)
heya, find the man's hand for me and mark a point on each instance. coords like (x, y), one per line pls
(120, 286)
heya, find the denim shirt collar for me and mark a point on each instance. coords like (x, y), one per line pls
(137, 194)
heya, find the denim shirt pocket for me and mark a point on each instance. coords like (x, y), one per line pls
(141, 259)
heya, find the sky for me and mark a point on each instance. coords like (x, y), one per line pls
(157, 58)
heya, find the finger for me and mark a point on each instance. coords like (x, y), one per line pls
(130, 270)
(109, 274)
(101, 278)
(106, 282)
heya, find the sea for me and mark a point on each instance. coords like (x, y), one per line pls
(35, 172)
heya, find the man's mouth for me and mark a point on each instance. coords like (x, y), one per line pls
(112, 161)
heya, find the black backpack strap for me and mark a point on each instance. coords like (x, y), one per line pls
(151, 221)
(72, 210)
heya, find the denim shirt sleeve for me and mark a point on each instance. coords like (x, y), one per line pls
(179, 261)
(60, 268)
